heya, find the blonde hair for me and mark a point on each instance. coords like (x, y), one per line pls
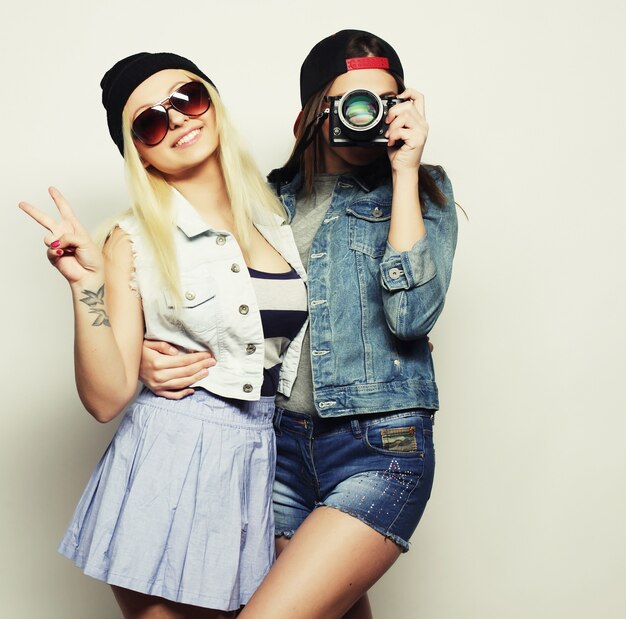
(151, 195)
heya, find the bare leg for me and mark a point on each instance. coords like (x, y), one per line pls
(324, 571)
(136, 605)
(360, 610)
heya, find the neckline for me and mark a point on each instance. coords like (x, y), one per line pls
(271, 275)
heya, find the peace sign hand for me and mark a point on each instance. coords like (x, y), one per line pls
(70, 248)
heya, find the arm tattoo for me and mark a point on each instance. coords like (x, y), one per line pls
(95, 300)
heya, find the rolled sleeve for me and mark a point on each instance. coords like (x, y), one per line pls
(414, 283)
(407, 269)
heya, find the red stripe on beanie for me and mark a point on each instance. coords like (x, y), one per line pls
(369, 62)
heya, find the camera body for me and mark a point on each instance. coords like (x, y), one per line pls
(357, 118)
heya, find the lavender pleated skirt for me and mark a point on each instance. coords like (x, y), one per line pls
(180, 505)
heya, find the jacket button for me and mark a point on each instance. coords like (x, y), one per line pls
(377, 212)
(250, 349)
(221, 239)
(235, 268)
(190, 296)
(395, 273)
(244, 309)
(247, 388)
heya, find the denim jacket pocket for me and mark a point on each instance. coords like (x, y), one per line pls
(369, 227)
(197, 312)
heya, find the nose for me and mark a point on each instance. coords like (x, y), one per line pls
(175, 118)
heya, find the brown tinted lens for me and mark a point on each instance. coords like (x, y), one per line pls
(191, 99)
(150, 127)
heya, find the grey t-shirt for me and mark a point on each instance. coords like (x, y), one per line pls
(309, 215)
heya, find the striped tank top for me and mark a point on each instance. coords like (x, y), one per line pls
(282, 300)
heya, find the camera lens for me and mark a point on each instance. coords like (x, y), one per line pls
(360, 110)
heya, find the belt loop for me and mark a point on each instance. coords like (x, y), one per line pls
(356, 428)
(278, 416)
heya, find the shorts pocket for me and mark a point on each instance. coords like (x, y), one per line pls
(403, 435)
(399, 439)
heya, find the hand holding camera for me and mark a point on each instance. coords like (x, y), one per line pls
(407, 131)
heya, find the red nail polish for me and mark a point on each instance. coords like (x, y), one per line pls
(59, 252)
(55, 244)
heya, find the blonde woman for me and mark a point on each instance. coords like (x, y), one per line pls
(177, 517)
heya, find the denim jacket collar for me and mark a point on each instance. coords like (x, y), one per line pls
(368, 178)
(187, 218)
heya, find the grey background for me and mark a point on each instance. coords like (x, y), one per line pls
(526, 107)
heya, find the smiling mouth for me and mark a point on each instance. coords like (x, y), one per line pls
(187, 138)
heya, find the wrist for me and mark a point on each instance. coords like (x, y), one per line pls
(93, 282)
(406, 180)
(405, 174)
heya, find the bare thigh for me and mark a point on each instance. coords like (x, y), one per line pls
(324, 571)
(361, 608)
(136, 605)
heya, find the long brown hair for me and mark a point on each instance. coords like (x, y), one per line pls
(310, 160)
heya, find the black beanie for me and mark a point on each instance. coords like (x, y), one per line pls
(329, 59)
(125, 75)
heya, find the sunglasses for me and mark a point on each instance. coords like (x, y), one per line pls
(152, 125)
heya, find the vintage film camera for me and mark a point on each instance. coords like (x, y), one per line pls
(358, 118)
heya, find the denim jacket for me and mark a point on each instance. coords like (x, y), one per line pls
(219, 310)
(370, 306)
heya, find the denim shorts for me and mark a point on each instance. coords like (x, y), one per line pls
(378, 469)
